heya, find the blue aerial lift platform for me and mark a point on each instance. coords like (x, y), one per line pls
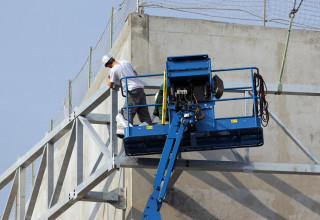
(190, 95)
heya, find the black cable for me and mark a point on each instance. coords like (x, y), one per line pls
(261, 105)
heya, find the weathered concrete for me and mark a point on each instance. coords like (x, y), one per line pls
(146, 41)
(212, 195)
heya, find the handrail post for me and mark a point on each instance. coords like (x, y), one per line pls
(264, 12)
(69, 96)
(111, 27)
(89, 77)
(138, 8)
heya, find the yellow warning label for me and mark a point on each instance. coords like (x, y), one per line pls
(149, 127)
(234, 121)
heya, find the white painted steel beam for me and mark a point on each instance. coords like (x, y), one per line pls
(11, 197)
(22, 193)
(55, 134)
(116, 197)
(94, 135)
(93, 196)
(80, 191)
(64, 166)
(113, 124)
(50, 172)
(295, 89)
(293, 137)
(95, 118)
(37, 184)
(223, 166)
(79, 143)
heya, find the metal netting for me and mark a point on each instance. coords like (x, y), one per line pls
(126, 7)
(78, 87)
(262, 12)
(308, 16)
(63, 112)
(101, 48)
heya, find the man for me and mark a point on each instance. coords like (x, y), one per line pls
(157, 113)
(135, 87)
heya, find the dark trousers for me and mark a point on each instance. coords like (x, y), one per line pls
(137, 97)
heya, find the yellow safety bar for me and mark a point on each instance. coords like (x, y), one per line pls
(164, 100)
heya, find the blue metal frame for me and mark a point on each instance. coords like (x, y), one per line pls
(245, 87)
(127, 132)
(168, 157)
(140, 140)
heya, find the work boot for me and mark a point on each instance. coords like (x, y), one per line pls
(121, 124)
(155, 119)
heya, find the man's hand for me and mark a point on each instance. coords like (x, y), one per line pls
(110, 84)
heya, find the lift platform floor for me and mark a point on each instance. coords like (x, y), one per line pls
(149, 143)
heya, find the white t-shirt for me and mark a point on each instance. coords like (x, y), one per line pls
(121, 69)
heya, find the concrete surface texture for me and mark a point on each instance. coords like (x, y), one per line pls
(219, 195)
(146, 41)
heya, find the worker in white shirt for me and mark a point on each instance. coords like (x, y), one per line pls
(135, 87)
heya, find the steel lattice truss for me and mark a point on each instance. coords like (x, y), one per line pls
(82, 119)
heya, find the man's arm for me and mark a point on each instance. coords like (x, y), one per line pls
(110, 84)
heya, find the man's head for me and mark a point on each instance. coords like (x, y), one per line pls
(107, 61)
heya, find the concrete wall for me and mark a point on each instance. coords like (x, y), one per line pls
(219, 195)
(146, 41)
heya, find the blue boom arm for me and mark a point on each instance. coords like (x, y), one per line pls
(169, 154)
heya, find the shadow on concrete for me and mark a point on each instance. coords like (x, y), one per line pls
(186, 205)
(246, 199)
(181, 201)
(291, 192)
(98, 204)
(134, 214)
(273, 181)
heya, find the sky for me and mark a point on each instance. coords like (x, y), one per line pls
(43, 44)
